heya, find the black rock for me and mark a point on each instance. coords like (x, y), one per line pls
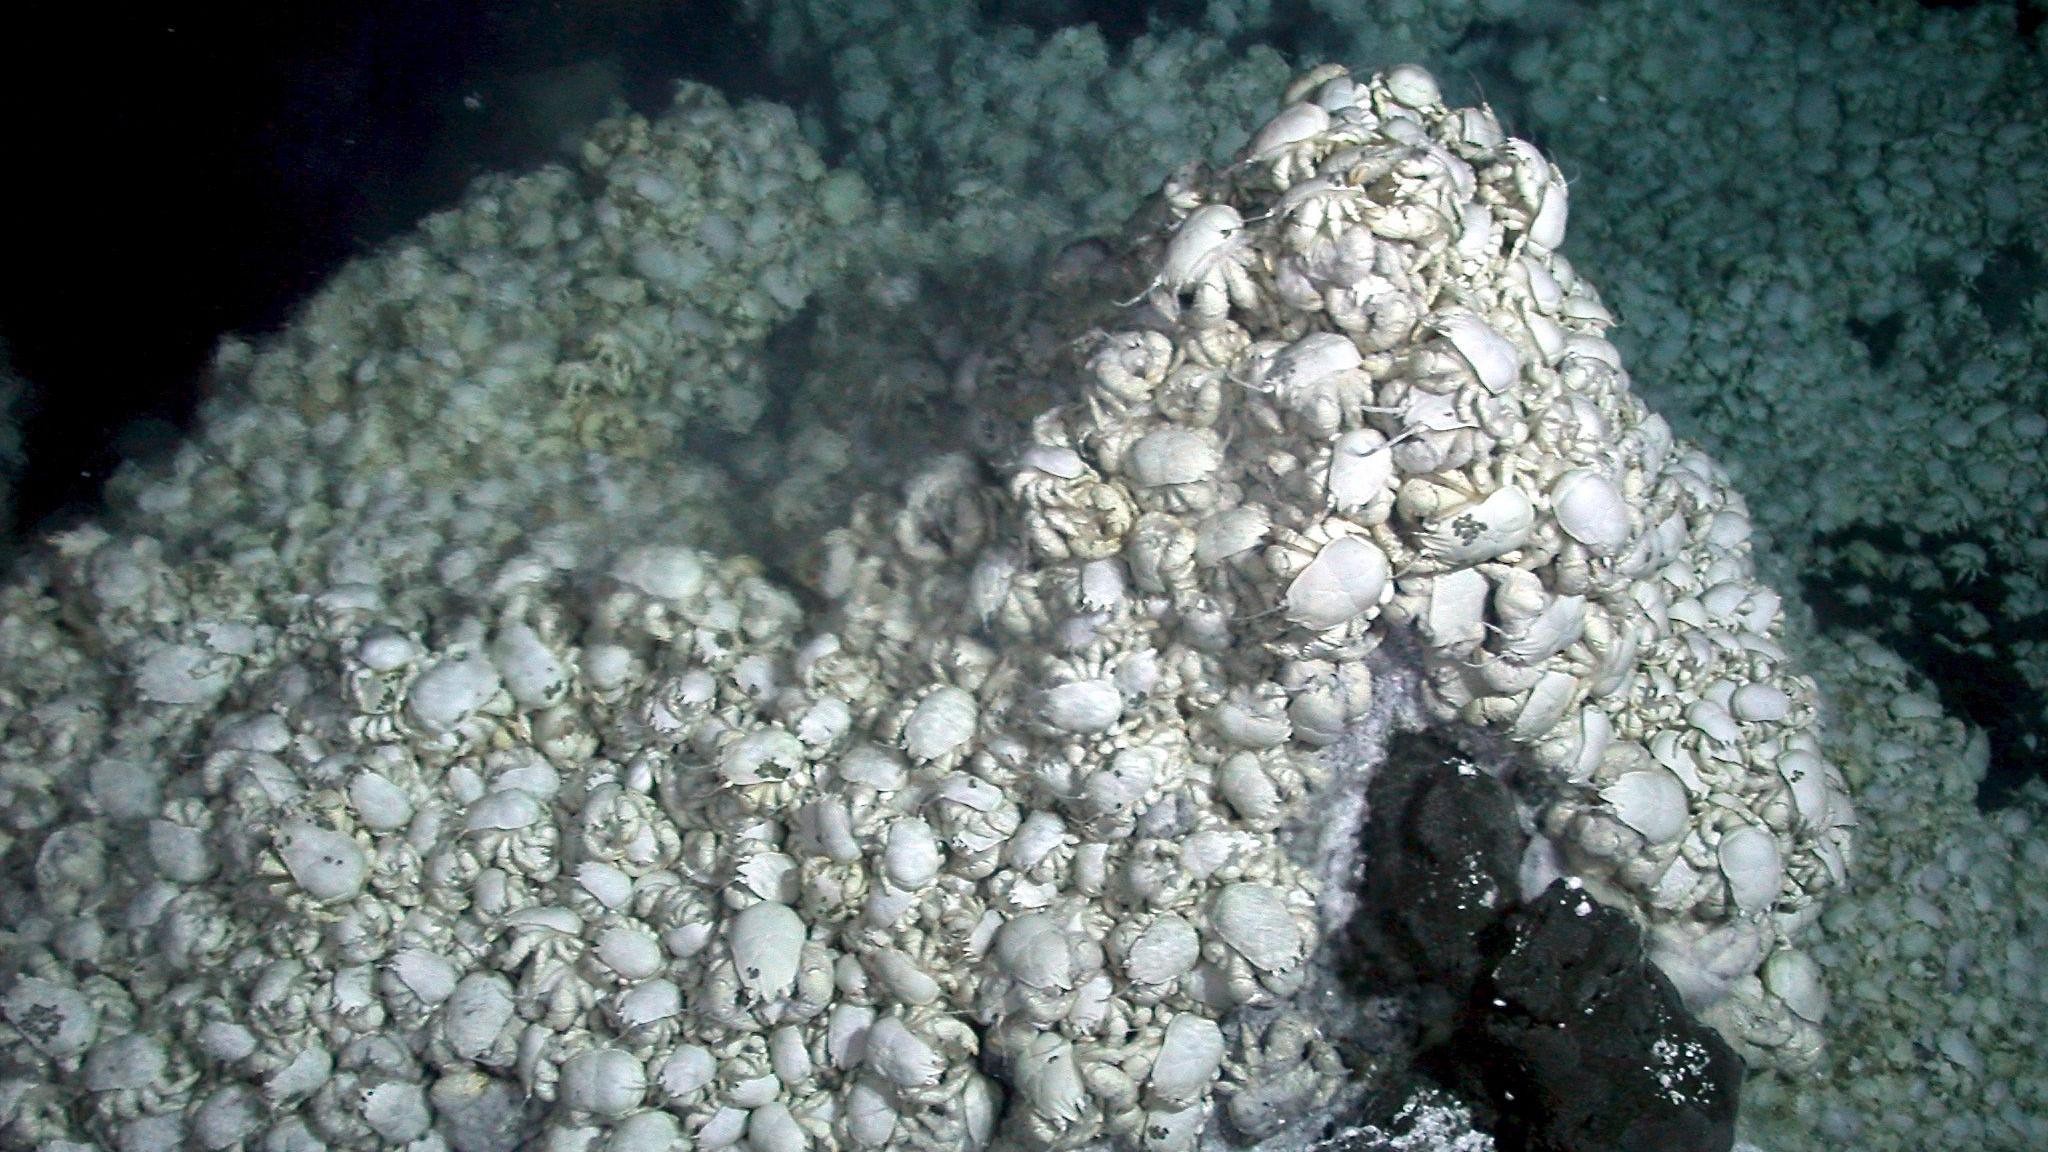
(1582, 1044)
(1442, 848)
(1546, 1018)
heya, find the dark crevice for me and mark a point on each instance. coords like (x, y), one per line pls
(1953, 624)
(1880, 338)
(2028, 14)
(2002, 290)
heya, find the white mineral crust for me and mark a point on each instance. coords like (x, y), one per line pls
(508, 806)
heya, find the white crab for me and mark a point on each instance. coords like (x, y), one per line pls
(1207, 268)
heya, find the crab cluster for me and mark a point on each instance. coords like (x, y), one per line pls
(991, 845)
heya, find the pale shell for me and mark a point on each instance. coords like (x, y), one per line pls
(1806, 775)
(477, 1013)
(1347, 579)
(302, 1076)
(724, 1129)
(1171, 456)
(1412, 86)
(1293, 124)
(1750, 860)
(451, 691)
(1244, 785)
(767, 939)
(1714, 720)
(1557, 627)
(648, 1002)
(1205, 233)
(1036, 837)
(897, 1055)
(942, 722)
(57, 1019)
(1311, 360)
(911, 857)
(846, 1034)
(910, 983)
(787, 1054)
(663, 572)
(1102, 585)
(604, 1081)
(225, 1041)
(1061, 463)
(651, 1130)
(1652, 801)
(1760, 702)
(380, 805)
(1254, 920)
(770, 875)
(1246, 722)
(970, 792)
(124, 1062)
(181, 674)
(1361, 470)
(1084, 707)
(1494, 359)
(1457, 609)
(1591, 510)
(1546, 704)
(1048, 1078)
(771, 1128)
(687, 1069)
(875, 766)
(506, 810)
(1675, 886)
(750, 1091)
(386, 650)
(1032, 950)
(533, 676)
(427, 975)
(630, 950)
(1794, 977)
(1190, 1055)
(1493, 527)
(327, 865)
(1546, 231)
(608, 884)
(766, 754)
(870, 1118)
(1167, 950)
(397, 1111)
(1231, 532)
(531, 774)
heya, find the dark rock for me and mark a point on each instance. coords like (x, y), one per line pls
(1546, 1018)
(1442, 848)
(1583, 1046)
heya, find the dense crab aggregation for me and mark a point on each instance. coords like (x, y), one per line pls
(991, 846)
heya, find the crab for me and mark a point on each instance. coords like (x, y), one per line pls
(1207, 269)
(1288, 147)
(1256, 944)
(1321, 211)
(1281, 1073)
(545, 946)
(1318, 380)
(1078, 516)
